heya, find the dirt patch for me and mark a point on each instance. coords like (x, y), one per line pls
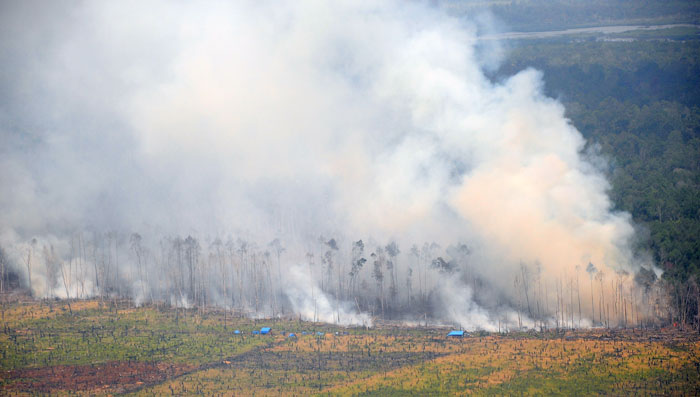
(116, 376)
(336, 361)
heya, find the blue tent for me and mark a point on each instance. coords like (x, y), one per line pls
(319, 333)
(237, 332)
(256, 332)
(292, 335)
(456, 333)
(304, 333)
(265, 330)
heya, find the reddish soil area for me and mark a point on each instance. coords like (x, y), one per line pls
(108, 377)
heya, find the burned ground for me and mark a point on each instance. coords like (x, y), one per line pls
(93, 378)
(112, 348)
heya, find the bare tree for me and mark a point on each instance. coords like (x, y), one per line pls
(378, 275)
(50, 263)
(217, 260)
(392, 249)
(538, 278)
(278, 249)
(328, 261)
(243, 263)
(65, 276)
(192, 251)
(409, 283)
(578, 294)
(591, 270)
(525, 278)
(310, 261)
(3, 266)
(135, 242)
(357, 261)
(415, 253)
(600, 277)
(28, 263)
(231, 250)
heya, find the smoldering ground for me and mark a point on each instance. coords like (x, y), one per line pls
(243, 124)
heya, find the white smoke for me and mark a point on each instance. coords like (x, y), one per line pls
(311, 304)
(293, 119)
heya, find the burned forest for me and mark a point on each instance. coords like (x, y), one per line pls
(195, 196)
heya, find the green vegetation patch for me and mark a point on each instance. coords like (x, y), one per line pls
(146, 334)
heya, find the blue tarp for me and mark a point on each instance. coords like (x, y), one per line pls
(265, 330)
(237, 332)
(292, 335)
(456, 333)
(256, 332)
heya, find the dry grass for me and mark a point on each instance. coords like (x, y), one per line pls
(189, 351)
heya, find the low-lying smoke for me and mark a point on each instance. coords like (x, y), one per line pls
(284, 121)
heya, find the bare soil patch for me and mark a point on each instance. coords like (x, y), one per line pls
(113, 376)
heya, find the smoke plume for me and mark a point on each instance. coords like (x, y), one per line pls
(240, 124)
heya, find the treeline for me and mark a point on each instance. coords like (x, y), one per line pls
(638, 103)
(333, 279)
(538, 15)
(232, 272)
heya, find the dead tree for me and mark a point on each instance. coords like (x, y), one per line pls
(415, 253)
(50, 263)
(578, 294)
(3, 264)
(278, 249)
(28, 262)
(137, 247)
(525, 274)
(392, 250)
(591, 270)
(378, 274)
(357, 261)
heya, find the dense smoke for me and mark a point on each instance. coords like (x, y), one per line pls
(334, 160)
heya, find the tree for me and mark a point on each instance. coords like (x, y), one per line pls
(591, 270)
(192, 251)
(216, 251)
(310, 262)
(378, 275)
(3, 266)
(409, 283)
(357, 261)
(525, 274)
(443, 266)
(28, 263)
(135, 241)
(231, 248)
(278, 249)
(242, 268)
(415, 253)
(328, 261)
(392, 249)
(50, 263)
(602, 311)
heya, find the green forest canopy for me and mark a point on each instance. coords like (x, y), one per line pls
(638, 103)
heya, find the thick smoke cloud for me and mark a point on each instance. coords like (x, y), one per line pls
(290, 120)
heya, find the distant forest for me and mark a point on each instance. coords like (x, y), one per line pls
(638, 103)
(537, 15)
